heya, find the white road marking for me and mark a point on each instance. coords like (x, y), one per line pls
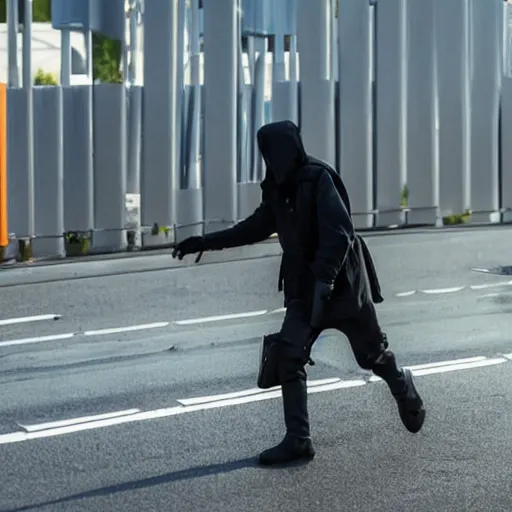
(342, 384)
(17, 437)
(441, 364)
(485, 270)
(131, 328)
(71, 426)
(278, 310)
(221, 317)
(455, 289)
(247, 392)
(75, 421)
(508, 356)
(406, 294)
(443, 290)
(27, 319)
(465, 360)
(455, 367)
(226, 396)
(490, 285)
(39, 339)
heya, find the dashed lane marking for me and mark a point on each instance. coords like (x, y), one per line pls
(76, 421)
(444, 290)
(38, 339)
(406, 294)
(220, 318)
(203, 320)
(454, 289)
(131, 328)
(29, 319)
(277, 311)
(248, 392)
(64, 427)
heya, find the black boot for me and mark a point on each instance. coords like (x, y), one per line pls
(297, 442)
(401, 385)
(410, 404)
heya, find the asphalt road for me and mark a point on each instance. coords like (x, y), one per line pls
(141, 427)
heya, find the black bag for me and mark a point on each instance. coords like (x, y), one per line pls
(268, 375)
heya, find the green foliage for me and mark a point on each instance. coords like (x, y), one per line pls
(77, 243)
(41, 10)
(458, 218)
(43, 78)
(106, 59)
(404, 196)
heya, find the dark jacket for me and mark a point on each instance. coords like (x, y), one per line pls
(324, 248)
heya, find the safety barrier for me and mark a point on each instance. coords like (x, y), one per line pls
(411, 101)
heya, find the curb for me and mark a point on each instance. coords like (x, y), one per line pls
(40, 273)
(160, 258)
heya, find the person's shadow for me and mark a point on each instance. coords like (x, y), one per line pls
(176, 476)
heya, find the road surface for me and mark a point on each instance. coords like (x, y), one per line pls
(137, 391)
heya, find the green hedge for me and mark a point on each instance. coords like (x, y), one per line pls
(44, 78)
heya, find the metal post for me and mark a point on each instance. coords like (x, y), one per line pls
(355, 107)
(180, 92)
(486, 70)
(334, 67)
(28, 87)
(317, 88)
(88, 54)
(126, 49)
(390, 129)
(453, 95)
(258, 110)
(159, 176)
(422, 174)
(313, 18)
(278, 65)
(294, 77)
(134, 43)
(27, 45)
(220, 127)
(194, 171)
(12, 43)
(65, 52)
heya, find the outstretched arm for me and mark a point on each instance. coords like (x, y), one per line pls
(335, 231)
(255, 228)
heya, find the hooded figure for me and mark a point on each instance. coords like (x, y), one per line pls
(327, 277)
(282, 149)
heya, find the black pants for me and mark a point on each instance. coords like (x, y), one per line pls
(367, 341)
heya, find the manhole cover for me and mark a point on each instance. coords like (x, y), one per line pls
(500, 271)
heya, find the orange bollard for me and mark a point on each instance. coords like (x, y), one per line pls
(4, 235)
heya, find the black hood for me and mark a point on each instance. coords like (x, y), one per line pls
(282, 149)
